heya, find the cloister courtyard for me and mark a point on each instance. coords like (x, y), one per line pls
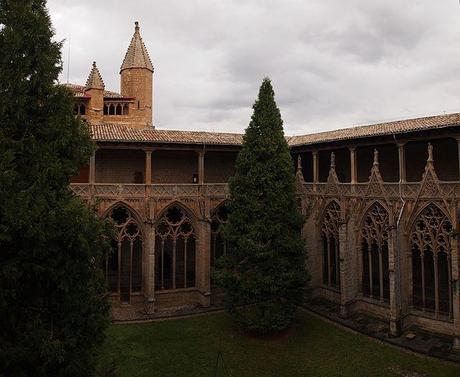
(312, 347)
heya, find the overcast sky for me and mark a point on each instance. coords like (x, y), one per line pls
(333, 63)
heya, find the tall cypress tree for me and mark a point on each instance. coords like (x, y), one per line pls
(53, 305)
(263, 273)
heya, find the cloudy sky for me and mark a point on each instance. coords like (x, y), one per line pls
(333, 63)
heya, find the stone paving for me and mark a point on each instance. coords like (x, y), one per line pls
(131, 313)
(414, 338)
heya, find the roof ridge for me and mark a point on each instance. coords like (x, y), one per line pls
(137, 55)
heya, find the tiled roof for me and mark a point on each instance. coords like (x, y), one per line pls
(94, 80)
(116, 132)
(137, 55)
(381, 129)
(79, 91)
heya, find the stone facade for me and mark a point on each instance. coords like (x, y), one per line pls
(381, 204)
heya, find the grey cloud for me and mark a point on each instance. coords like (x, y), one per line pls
(333, 63)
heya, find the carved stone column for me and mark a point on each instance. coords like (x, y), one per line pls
(149, 267)
(402, 163)
(394, 267)
(455, 241)
(204, 261)
(346, 272)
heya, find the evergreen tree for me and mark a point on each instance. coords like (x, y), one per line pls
(53, 301)
(263, 273)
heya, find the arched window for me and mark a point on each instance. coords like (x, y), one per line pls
(331, 245)
(123, 267)
(111, 109)
(175, 246)
(106, 110)
(119, 109)
(218, 244)
(82, 109)
(431, 261)
(374, 246)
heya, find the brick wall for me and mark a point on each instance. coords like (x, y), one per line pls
(174, 166)
(219, 166)
(119, 166)
(138, 83)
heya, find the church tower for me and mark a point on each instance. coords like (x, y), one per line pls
(137, 79)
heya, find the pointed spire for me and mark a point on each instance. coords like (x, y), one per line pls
(332, 160)
(376, 158)
(137, 55)
(430, 154)
(94, 79)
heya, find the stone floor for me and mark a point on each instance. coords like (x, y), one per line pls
(414, 338)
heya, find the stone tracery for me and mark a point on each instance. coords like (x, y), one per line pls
(431, 261)
(175, 245)
(123, 268)
(331, 245)
(374, 245)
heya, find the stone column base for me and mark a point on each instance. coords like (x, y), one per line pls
(395, 327)
(346, 309)
(205, 299)
(149, 305)
(456, 345)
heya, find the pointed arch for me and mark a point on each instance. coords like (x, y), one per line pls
(431, 260)
(219, 218)
(123, 266)
(374, 239)
(330, 222)
(175, 245)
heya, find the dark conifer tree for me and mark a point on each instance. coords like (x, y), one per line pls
(263, 273)
(53, 303)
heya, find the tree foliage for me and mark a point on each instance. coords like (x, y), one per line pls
(53, 305)
(263, 273)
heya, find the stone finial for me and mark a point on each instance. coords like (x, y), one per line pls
(137, 55)
(332, 160)
(376, 157)
(430, 153)
(94, 80)
(299, 163)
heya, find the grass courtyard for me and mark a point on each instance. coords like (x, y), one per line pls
(189, 347)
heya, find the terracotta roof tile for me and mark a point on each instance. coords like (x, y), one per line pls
(79, 91)
(116, 132)
(137, 55)
(381, 129)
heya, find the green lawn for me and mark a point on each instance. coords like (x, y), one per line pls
(188, 347)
